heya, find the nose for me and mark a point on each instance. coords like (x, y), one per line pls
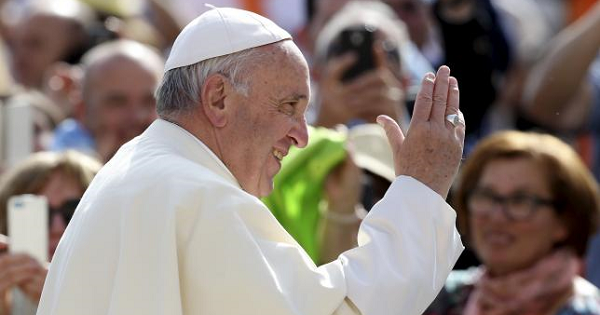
(500, 211)
(299, 133)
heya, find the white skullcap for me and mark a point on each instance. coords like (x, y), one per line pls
(222, 31)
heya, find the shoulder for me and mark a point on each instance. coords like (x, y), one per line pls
(453, 297)
(461, 278)
(144, 167)
(70, 134)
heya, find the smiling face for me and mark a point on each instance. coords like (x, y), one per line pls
(120, 101)
(269, 120)
(505, 245)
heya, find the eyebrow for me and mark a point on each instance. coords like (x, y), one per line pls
(296, 96)
(293, 97)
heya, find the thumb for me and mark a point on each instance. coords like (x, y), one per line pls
(394, 135)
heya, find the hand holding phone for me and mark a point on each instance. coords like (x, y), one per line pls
(359, 40)
(28, 232)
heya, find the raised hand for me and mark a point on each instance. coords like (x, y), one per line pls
(375, 92)
(432, 149)
(19, 270)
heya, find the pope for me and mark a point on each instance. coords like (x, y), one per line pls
(173, 224)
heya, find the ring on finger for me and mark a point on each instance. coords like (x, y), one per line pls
(455, 119)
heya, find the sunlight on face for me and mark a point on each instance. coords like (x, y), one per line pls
(506, 245)
(270, 119)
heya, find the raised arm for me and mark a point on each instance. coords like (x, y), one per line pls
(408, 243)
(557, 92)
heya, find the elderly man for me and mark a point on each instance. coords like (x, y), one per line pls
(172, 224)
(117, 101)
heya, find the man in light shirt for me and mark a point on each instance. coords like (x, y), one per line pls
(172, 224)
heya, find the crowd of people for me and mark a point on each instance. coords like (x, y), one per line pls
(183, 117)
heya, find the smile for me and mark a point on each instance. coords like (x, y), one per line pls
(278, 154)
(498, 238)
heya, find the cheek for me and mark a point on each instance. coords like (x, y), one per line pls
(49, 51)
(552, 231)
(476, 233)
(475, 224)
(111, 116)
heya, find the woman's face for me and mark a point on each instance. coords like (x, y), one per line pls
(58, 190)
(504, 244)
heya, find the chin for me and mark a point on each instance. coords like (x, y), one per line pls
(265, 190)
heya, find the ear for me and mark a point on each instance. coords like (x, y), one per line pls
(213, 94)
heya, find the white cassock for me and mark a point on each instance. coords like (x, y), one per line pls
(165, 228)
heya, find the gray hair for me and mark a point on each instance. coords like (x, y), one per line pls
(179, 91)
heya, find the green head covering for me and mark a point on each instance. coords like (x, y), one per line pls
(299, 186)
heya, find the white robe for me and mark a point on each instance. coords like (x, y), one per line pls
(165, 228)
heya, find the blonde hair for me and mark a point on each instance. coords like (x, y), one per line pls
(33, 174)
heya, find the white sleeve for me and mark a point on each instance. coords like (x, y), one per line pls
(235, 258)
(408, 244)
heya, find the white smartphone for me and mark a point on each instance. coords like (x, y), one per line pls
(28, 225)
(28, 233)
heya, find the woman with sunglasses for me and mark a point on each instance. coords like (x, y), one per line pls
(527, 205)
(61, 178)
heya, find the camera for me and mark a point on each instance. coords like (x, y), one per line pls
(358, 39)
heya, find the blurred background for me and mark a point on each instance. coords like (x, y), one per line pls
(77, 81)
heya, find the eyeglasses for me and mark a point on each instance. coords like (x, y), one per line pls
(518, 207)
(65, 210)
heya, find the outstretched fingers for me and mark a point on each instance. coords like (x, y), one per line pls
(440, 95)
(395, 137)
(453, 97)
(338, 65)
(424, 100)
(454, 116)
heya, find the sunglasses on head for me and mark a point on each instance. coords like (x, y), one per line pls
(65, 210)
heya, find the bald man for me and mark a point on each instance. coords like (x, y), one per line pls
(117, 101)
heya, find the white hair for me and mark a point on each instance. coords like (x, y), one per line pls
(179, 91)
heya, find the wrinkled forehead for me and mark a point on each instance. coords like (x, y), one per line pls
(283, 58)
(281, 73)
(285, 51)
(295, 57)
(291, 59)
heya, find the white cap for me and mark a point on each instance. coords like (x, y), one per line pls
(219, 32)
